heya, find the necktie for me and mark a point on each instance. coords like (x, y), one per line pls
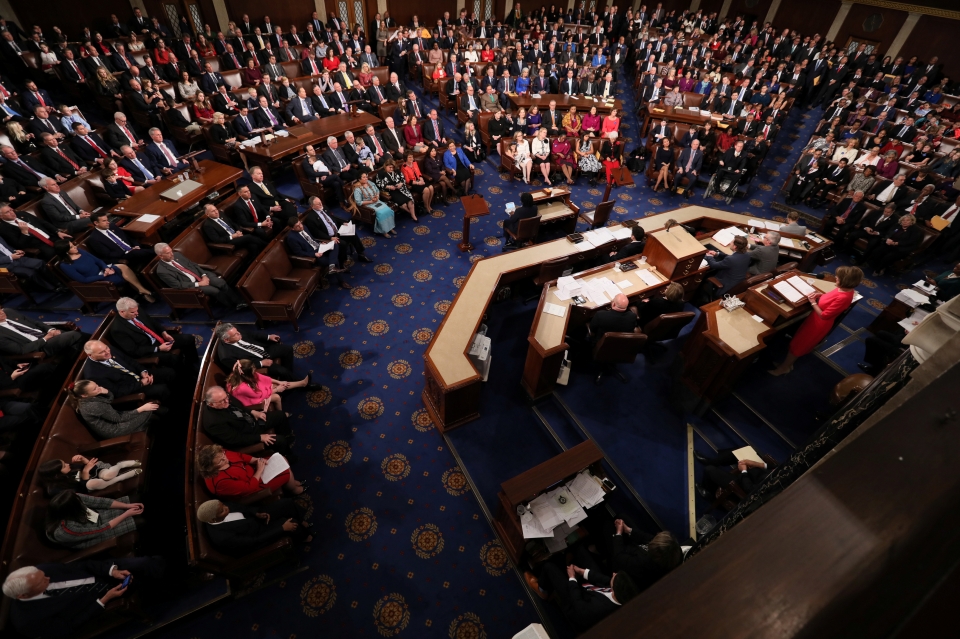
(376, 143)
(226, 227)
(96, 148)
(39, 98)
(916, 205)
(253, 211)
(436, 129)
(77, 70)
(253, 348)
(689, 161)
(64, 156)
(184, 269)
(126, 132)
(273, 120)
(593, 588)
(112, 363)
(167, 154)
(146, 330)
(95, 587)
(29, 330)
(312, 242)
(950, 213)
(116, 240)
(27, 167)
(766, 129)
(379, 94)
(849, 210)
(147, 174)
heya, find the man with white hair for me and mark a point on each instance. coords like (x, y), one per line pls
(123, 375)
(138, 335)
(765, 254)
(60, 209)
(337, 162)
(234, 426)
(62, 161)
(54, 600)
(178, 271)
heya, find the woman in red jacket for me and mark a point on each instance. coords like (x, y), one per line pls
(230, 474)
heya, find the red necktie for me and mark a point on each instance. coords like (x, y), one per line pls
(146, 330)
(234, 58)
(314, 65)
(77, 69)
(377, 144)
(187, 271)
(253, 211)
(40, 98)
(436, 130)
(95, 147)
(36, 234)
(129, 135)
(64, 156)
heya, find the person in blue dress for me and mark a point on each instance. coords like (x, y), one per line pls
(81, 266)
(458, 167)
(366, 193)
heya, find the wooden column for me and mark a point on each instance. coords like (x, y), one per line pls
(905, 32)
(838, 21)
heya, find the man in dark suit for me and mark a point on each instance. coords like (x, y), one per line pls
(301, 243)
(243, 125)
(234, 426)
(249, 213)
(619, 318)
(830, 178)
(874, 226)
(805, 176)
(55, 600)
(905, 131)
(60, 209)
(252, 527)
(894, 192)
(163, 153)
(324, 227)
(899, 241)
(586, 604)
(89, 146)
(267, 116)
(335, 159)
(25, 169)
(688, 165)
(717, 474)
(844, 217)
(395, 88)
(124, 375)
(730, 269)
(31, 97)
(122, 132)
(112, 244)
(433, 131)
(633, 248)
(219, 230)
(525, 211)
(210, 80)
(324, 105)
(137, 335)
(300, 108)
(140, 166)
(177, 271)
(23, 231)
(60, 160)
(263, 349)
(224, 102)
(20, 335)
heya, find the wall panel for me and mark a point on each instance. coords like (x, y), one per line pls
(806, 19)
(282, 14)
(853, 25)
(935, 37)
(71, 16)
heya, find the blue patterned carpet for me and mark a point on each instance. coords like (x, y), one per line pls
(403, 547)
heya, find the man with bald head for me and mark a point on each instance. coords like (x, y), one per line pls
(619, 318)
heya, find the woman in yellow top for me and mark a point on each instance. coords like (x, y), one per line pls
(572, 123)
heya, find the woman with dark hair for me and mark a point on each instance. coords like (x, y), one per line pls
(75, 520)
(662, 161)
(433, 169)
(93, 404)
(250, 75)
(84, 474)
(391, 182)
(82, 266)
(230, 474)
(257, 391)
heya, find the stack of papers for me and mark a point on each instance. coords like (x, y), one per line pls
(275, 465)
(913, 321)
(147, 218)
(925, 287)
(531, 527)
(559, 540)
(791, 294)
(594, 292)
(567, 286)
(764, 224)
(801, 285)
(586, 489)
(912, 298)
(725, 236)
(554, 309)
(622, 233)
(605, 234)
(348, 229)
(649, 277)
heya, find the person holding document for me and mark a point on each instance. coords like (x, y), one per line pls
(826, 308)
(716, 472)
(228, 474)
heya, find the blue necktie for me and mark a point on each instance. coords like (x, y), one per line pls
(225, 226)
(147, 174)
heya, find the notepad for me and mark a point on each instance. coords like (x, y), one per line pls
(723, 237)
(275, 465)
(649, 277)
(939, 223)
(801, 285)
(791, 294)
(326, 246)
(147, 218)
(747, 452)
(624, 284)
(554, 309)
(758, 318)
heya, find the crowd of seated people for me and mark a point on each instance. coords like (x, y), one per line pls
(882, 158)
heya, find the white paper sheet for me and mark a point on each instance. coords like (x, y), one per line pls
(543, 509)
(723, 237)
(326, 246)
(623, 233)
(792, 294)
(605, 234)
(147, 218)
(801, 285)
(275, 465)
(760, 224)
(758, 318)
(554, 309)
(772, 226)
(586, 490)
(648, 276)
(348, 229)
(625, 284)
(533, 631)
(531, 527)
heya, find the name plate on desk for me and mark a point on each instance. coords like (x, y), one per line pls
(181, 190)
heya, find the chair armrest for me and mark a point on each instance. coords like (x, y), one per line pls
(113, 442)
(210, 267)
(221, 248)
(86, 553)
(303, 262)
(174, 329)
(153, 360)
(288, 283)
(32, 358)
(64, 326)
(260, 495)
(249, 450)
(715, 282)
(280, 544)
(126, 399)
(11, 392)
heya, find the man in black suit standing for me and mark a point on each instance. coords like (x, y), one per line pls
(112, 244)
(587, 603)
(222, 231)
(55, 600)
(138, 335)
(124, 375)
(20, 335)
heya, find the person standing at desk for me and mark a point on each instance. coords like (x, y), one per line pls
(764, 255)
(525, 211)
(826, 308)
(730, 269)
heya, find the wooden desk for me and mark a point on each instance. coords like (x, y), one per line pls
(310, 133)
(531, 483)
(890, 316)
(777, 313)
(555, 208)
(791, 249)
(451, 391)
(682, 115)
(214, 178)
(473, 206)
(564, 102)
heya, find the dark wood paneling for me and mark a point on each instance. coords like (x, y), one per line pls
(210, 15)
(710, 6)
(69, 15)
(428, 12)
(935, 37)
(807, 18)
(853, 25)
(757, 12)
(282, 14)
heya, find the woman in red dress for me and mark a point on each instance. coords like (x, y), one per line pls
(230, 474)
(826, 308)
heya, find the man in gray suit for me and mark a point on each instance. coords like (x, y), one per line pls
(60, 210)
(765, 254)
(176, 271)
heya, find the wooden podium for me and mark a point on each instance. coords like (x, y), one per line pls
(621, 176)
(473, 206)
(674, 252)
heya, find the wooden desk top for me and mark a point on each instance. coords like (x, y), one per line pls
(564, 102)
(529, 484)
(763, 304)
(739, 330)
(554, 211)
(549, 330)
(148, 200)
(447, 351)
(685, 115)
(311, 133)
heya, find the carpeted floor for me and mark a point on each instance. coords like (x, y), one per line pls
(403, 547)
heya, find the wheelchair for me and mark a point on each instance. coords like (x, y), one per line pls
(725, 185)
